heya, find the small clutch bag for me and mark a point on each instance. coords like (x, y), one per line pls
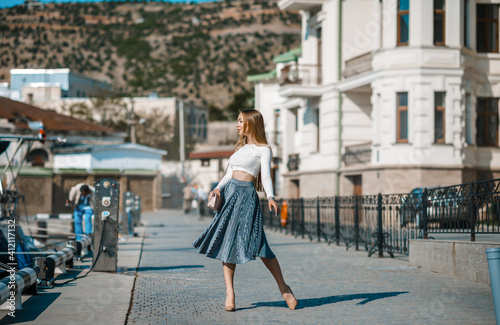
(214, 202)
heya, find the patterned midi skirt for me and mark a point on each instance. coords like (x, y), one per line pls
(236, 234)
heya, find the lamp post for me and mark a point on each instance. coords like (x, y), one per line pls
(130, 120)
(182, 152)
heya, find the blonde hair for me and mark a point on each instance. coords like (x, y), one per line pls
(253, 128)
(253, 132)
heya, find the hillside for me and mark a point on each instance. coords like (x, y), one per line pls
(198, 52)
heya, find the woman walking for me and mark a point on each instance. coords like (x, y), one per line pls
(236, 234)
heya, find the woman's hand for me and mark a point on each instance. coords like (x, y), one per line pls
(272, 204)
(216, 191)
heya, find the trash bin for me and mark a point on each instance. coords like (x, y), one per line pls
(493, 256)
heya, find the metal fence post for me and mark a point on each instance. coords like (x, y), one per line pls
(356, 221)
(302, 221)
(424, 214)
(318, 220)
(337, 220)
(292, 206)
(380, 231)
(473, 213)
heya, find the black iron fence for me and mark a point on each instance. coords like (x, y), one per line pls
(381, 223)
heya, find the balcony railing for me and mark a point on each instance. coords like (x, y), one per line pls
(357, 65)
(357, 154)
(303, 74)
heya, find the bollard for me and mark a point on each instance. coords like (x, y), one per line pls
(137, 211)
(128, 215)
(107, 198)
(493, 256)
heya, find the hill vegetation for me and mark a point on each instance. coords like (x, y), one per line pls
(201, 53)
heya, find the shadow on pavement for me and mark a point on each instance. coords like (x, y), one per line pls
(315, 302)
(159, 268)
(32, 308)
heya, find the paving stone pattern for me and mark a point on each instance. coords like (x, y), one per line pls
(175, 285)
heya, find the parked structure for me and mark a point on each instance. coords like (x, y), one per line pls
(401, 93)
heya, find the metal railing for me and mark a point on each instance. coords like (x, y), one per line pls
(387, 222)
(357, 154)
(302, 74)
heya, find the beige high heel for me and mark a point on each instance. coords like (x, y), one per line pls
(290, 299)
(229, 307)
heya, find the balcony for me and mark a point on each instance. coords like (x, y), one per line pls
(357, 65)
(302, 80)
(357, 154)
(306, 5)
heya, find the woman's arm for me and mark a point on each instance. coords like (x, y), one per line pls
(265, 171)
(225, 179)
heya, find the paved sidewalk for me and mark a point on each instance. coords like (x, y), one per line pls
(99, 298)
(175, 285)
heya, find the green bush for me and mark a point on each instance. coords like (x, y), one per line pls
(133, 48)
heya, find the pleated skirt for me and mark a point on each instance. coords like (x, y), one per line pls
(236, 234)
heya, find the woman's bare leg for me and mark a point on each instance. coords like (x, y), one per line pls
(274, 267)
(228, 278)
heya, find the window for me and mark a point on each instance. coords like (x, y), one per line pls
(439, 117)
(487, 122)
(468, 119)
(439, 22)
(296, 116)
(402, 118)
(403, 22)
(277, 127)
(316, 121)
(466, 23)
(487, 28)
(320, 46)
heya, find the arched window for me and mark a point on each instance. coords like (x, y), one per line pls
(38, 157)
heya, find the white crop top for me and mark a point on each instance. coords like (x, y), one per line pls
(251, 159)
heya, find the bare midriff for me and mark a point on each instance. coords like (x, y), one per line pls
(243, 176)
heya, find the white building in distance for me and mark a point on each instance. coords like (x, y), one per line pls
(387, 96)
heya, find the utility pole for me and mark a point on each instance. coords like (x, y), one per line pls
(132, 121)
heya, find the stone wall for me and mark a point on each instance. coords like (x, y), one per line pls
(37, 192)
(464, 260)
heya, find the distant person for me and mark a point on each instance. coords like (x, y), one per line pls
(202, 200)
(188, 195)
(129, 202)
(82, 196)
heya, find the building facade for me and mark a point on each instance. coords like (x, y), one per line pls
(387, 96)
(48, 84)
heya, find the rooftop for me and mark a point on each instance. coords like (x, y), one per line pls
(20, 114)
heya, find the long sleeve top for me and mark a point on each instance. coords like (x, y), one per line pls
(252, 159)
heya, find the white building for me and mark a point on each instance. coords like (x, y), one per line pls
(389, 95)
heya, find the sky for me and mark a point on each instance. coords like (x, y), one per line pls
(12, 3)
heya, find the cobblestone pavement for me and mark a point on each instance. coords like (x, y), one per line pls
(175, 285)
